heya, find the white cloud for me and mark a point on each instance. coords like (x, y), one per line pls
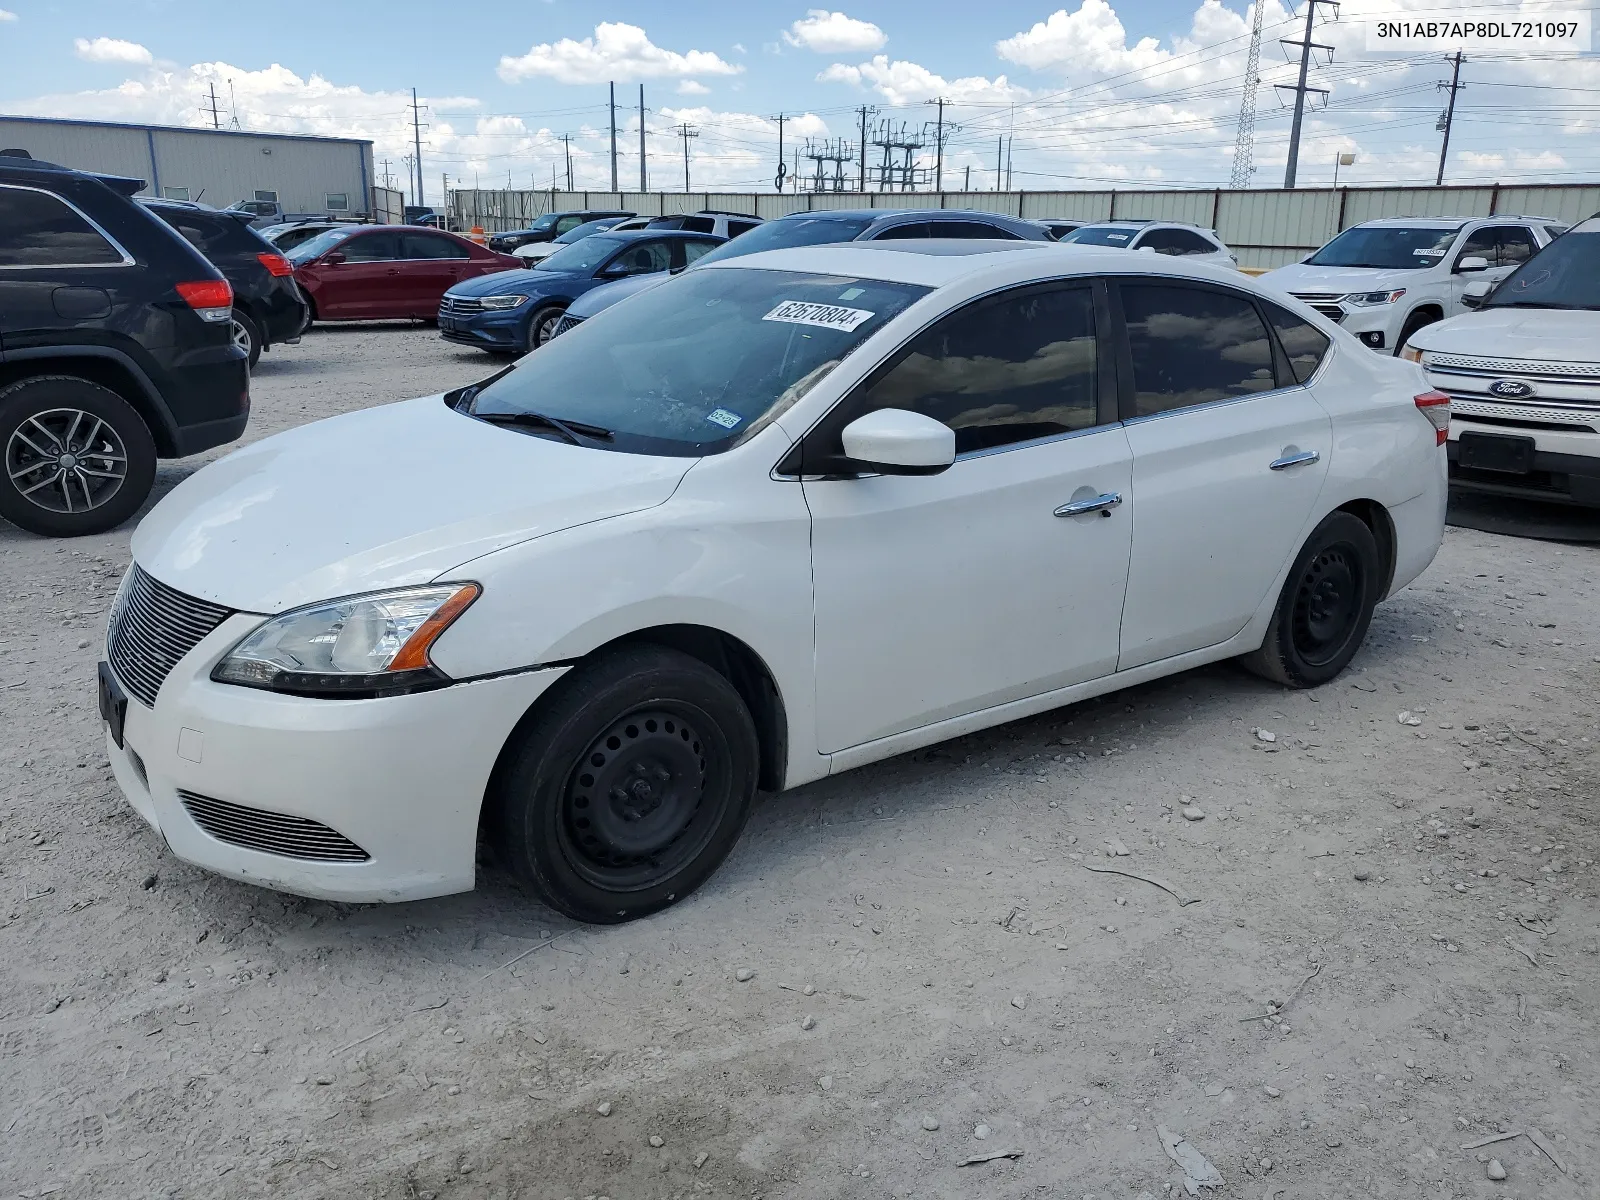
(693, 87)
(902, 82)
(834, 33)
(738, 48)
(1091, 39)
(616, 51)
(7, 15)
(112, 50)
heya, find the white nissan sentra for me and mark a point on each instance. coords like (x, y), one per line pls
(777, 518)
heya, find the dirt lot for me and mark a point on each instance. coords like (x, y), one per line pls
(929, 945)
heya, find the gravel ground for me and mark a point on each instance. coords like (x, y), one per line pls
(937, 970)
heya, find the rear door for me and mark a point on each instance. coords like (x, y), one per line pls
(430, 265)
(1229, 455)
(60, 277)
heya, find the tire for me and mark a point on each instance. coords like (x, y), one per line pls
(543, 325)
(672, 730)
(1413, 323)
(78, 459)
(247, 335)
(1325, 608)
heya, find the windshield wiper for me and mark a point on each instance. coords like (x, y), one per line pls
(576, 432)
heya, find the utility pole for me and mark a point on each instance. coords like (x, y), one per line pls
(388, 176)
(967, 186)
(1455, 85)
(864, 111)
(686, 131)
(416, 141)
(783, 170)
(566, 142)
(644, 178)
(999, 163)
(1300, 89)
(216, 117)
(1244, 142)
(613, 137)
(938, 150)
(1008, 162)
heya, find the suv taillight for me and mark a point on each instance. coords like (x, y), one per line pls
(276, 264)
(1436, 407)
(212, 299)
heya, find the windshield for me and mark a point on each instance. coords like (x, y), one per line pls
(321, 244)
(1388, 247)
(794, 231)
(583, 256)
(1101, 235)
(1565, 274)
(688, 367)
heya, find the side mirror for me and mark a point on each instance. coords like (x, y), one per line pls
(1476, 292)
(897, 442)
(331, 259)
(1472, 263)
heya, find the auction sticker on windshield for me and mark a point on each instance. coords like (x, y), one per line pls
(824, 316)
(724, 418)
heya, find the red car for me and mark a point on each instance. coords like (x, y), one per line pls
(387, 272)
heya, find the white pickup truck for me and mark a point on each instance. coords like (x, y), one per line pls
(1523, 374)
(1384, 280)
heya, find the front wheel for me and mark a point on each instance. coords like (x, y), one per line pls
(1325, 607)
(629, 786)
(543, 326)
(1414, 322)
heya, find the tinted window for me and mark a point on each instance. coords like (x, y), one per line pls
(210, 235)
(1481, 244)
(38, 230)
(1175, 241)
(699, 225)
(693, 251)
(971, 229)
(1192, 346)
(1003, 370)
(422, 245)
(1102, 235)
(911, 229)
(1516, 245)
(371, 247)
(1302, 341)
(735, 228)
(794, 231)
(570, 221)
(1393, 247)
(642, 258)
(1555, 231)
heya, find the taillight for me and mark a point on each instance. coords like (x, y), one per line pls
(212, 299)
(1436, 407)
(276, 264)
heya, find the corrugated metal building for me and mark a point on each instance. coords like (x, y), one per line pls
(216, 166)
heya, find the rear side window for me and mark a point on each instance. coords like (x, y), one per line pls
(735, 228)
(1178, 242)
(40, 230)
(423, 245)
(693, 250)
(1302, 342)
(911, 229)
(570, 221)
(1555, 231)
(208, 235)
(970, 229)
(699, 225)
(1193, 346)
(1003, 370)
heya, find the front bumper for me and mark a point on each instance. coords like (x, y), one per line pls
(402, 777)
(1566, 466)
(504, 330)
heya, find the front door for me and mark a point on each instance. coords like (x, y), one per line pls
(942, 595)
(362, 286)
(1229, 456)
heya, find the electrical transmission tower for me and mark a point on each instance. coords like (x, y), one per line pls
(1300, 88)
(898, 171)
(213, 109)
(687, 132)
(1244, 144)
(834, 152)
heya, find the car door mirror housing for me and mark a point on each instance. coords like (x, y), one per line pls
(1472, 263)
(331, 259)
(1476, 292)
(895, 441)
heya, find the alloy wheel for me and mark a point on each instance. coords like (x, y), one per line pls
(65, 460)
(241, 335)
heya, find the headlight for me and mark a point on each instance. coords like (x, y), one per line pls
(506, 301)
(1369, 299)
(1411, 354)
(358, 646)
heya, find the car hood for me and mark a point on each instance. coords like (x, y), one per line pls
(1548, 334)
(608, 294)
(1298, 277)
(386, 497)
(515, 280)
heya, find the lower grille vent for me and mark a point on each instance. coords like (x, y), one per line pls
(270, 832)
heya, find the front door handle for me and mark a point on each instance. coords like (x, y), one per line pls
(1294, 460)
(1102, 504)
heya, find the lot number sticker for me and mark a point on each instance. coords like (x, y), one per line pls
(823, 316)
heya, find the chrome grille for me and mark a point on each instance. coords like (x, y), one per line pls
(1535, 414)
(1578, 372)
(270, 832)
(460, 306)
(152, 626)
(1325, 303)
(565, 324)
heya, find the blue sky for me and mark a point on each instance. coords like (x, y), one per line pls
(1093, 92)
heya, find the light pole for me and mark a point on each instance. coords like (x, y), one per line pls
(1345, 158)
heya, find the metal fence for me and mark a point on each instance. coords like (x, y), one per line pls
(1265, 228)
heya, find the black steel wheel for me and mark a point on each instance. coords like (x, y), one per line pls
(628, 784)
(1325, 607)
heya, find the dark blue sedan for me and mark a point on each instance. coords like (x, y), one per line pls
(512, 312)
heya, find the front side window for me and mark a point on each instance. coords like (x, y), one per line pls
(1388, 247)
(1003, 370)
(424, 245)
(908, 231)
(1193, 346)
(41, 230)
(1482, 243)
(1302, 342)
(318, 245)
(371, 247)
(688, 367)
(584, 256)
(1516, 245)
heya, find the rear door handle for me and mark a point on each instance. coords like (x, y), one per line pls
(1294, 460)
(1102, 504)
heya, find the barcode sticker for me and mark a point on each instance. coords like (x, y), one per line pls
(823, 316)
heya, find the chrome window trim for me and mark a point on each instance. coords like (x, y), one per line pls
(1210, 404)
(127, 259)
(1046, 440)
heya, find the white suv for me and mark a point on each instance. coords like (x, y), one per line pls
(1384, 280)
(1189, 242)
(1523, 376)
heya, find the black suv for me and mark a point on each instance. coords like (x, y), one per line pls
(115, 349)
(549, 227)
(268, 308)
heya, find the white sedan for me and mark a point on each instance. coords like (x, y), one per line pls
(780, 517)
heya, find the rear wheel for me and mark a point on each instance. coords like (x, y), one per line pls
(247, 336)
(77, 458)
(629, 787)
(1325, 607)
